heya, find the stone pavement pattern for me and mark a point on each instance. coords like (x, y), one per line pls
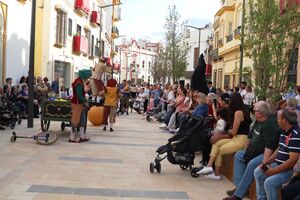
(111, 166)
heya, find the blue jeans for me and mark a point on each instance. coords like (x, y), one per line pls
(243, 173)
(267, 187)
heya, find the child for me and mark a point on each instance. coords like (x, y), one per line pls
(221, 123)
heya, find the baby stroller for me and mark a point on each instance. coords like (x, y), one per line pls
(180, 149)
(9, 113)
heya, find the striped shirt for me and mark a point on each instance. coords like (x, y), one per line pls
(289, 142)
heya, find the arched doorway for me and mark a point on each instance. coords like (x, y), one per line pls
(3, 14)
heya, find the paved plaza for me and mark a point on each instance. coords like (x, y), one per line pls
(113, 165)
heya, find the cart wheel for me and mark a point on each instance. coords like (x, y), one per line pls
(183, 167)
(13, 138)
(194, 172)
(158, 167)
(46, 138)
(151, 168)
(45, 125)
(63, 126)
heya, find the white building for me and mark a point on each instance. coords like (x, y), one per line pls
(68, 33)
(136, 61)
(15, 23)
(192, 37)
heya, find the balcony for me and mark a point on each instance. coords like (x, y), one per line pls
(80, 45)
(214, 54)
(220, 43)
(95, 18)
(82, 7)
(114, 32)
(237, 33)
(229, 37)
(22, 1)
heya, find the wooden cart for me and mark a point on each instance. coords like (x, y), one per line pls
(55, 111)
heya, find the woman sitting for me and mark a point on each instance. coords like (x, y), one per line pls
(232, 141)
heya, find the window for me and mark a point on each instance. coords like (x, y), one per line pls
(61, 28)
(239, 17)
(92, 46)
(89, 39)
(226, 80)
(220, 77)
(70, 27)
(230, 28)
(78, 30)
(149, 64)
(143, 63)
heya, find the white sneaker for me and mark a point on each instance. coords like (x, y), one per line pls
(213, 176)
(206, 170)
(163, 125)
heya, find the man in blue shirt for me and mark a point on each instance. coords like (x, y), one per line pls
(278, 170)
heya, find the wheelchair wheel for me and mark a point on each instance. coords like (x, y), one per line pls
(46, 138)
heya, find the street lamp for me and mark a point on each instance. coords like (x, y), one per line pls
(242, 43)
(31, 67)
(100, 28)
(199, 29)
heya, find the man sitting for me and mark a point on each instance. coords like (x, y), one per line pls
(263, 141)
(278, 170)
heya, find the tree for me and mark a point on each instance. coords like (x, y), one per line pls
(160, 70)
(270, 37)
(175, 53)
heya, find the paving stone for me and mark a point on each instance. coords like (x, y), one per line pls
(85, 159)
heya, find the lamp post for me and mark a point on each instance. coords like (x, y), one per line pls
(100, 28)
(242, 43)
(31, 67)
(199, 29)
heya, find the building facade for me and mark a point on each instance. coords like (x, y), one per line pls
(14, 39)
(136, 60)
(192, 37)
(68, 36)
(226, 45)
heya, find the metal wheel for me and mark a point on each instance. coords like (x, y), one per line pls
(63, 126)
(45, 125)
(183, 167)
(158, 167)
(46, 138)
(194, 172)
(13, 138)
(12, 125)
(151, 168)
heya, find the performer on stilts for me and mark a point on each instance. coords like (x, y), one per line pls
(79, 104)
(96, 79)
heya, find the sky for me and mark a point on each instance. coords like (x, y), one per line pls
(146, 18)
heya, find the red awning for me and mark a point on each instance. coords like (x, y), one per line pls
(208, 69)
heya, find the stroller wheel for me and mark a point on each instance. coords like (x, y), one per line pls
(194, 172)
(63, 126)
(19, 120)
(151, 168)
(158, 167)
(183, 167)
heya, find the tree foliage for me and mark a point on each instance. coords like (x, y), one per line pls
(271, 39)
(174, 57)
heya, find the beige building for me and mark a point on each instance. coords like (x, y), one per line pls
(226, 48)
